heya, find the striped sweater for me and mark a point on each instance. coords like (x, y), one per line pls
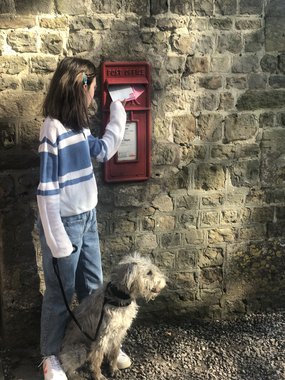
(67, 182)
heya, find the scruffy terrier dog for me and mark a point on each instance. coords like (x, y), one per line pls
(106, 315)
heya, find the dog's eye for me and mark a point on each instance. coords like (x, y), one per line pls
(149, 273)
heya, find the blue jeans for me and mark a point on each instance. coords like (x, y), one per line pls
(81, 272)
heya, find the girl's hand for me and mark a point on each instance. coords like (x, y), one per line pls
(124, 102)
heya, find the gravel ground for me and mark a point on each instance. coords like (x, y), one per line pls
(251, 348)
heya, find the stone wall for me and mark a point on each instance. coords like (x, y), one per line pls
(212, 214)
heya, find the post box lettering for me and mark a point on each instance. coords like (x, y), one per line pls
(130, 80)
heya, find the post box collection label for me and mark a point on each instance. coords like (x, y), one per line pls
(131, 81)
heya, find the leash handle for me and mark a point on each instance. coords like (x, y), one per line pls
(57, 273)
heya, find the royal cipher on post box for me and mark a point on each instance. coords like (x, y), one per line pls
(131, 81)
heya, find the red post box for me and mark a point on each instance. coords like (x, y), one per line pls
(129, 80)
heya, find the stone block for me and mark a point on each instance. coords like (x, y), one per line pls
(264, 214)
(227, 101)
(222, 235)
(121, 245)
(43, 65)
(163, 203)
(8, 21)
(221, 23)
(12, 65)
(52, 43)
(277, 81)
(204, 45)
(168, 240)
(246, 64)
(268, 63)
(256, 232)
(166, 154)
(183, 280)
(29, 131)
(252, 100)
(281, 63)
(9, 82)
(184, 128)
(72, 7)
(273, 157)
(175, 64)
(148, 224)
(203, 7)
(164, 222)
(211, 257)
(230, 216)
(184, 43)
(18, 104)
(250, 7)
(33, 6)
(9, 133)
(231, 42)
(210, 82)
(209, 218)
(209, 177)
(81, 41)
(245, 173)
(226, 7)
(28, 182)
(207, 102)
(183, 7)
(211, 278)
(186, 259)
(91, 23)
(267, 120)
(254, 41)
(210, 127)
(33, 82)
(7, 189)
(223, 152)
(187, 220)
(257, 81)
(158, 6)
(212, 200)
(171, 23)
(7, 6)
(274, 28)
(197, 65)
(183, 200)
(247, 23)
(220, 63)
(146, 242)
(124, 226)
(194, 236)
(198, 23)
(59, 22)
(23, 42)
(237, 81)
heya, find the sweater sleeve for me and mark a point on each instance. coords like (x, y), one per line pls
(48, 194)
(115, 129)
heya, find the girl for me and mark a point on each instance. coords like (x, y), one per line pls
(67, 197)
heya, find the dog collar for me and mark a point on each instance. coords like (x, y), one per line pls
(116, 297)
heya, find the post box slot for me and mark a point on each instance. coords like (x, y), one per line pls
(126, 80)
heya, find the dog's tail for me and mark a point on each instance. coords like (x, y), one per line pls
(73, 358)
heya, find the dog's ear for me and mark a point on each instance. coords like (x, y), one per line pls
(123, 275)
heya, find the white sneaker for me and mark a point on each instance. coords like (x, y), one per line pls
(52, 369)
(123, 360)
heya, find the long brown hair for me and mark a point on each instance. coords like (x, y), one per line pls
(66, 96)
